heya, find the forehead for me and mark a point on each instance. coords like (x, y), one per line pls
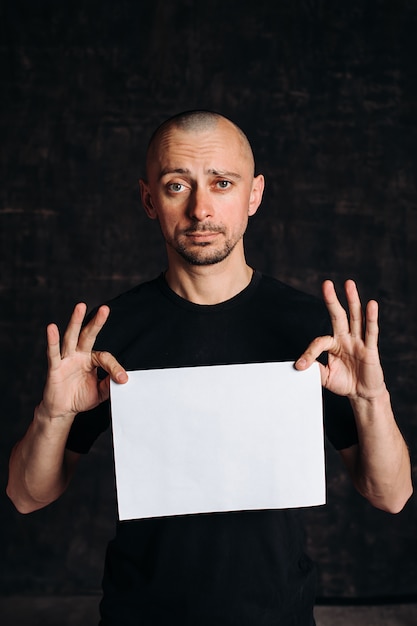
(219, 147)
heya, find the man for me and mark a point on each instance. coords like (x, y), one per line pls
(210, 308)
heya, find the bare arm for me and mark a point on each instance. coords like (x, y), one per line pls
(380, 464)
(40, 468)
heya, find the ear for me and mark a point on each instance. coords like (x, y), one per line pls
(147, 200)
(255, 199)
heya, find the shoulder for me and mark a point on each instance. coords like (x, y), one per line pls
(142, 291)
(129, 311)
(270, 287)
(291, 307)
(140, 300)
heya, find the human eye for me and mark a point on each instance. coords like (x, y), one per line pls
(223, 184)
(175, 187)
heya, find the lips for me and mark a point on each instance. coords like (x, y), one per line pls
(205, 235)
(203, 231)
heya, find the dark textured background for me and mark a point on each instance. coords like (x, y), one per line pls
(327, 93)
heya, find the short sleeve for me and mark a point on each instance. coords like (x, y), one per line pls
(87, 427)
(339, 422)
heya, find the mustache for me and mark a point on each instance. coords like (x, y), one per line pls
(203, 228)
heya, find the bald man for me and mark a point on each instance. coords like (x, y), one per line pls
(210, 308)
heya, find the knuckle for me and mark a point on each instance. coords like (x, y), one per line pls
(317, 341)
(102, 355)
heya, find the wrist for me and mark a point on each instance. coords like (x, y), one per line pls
(44, 416)
(376, 403)
(379, 394)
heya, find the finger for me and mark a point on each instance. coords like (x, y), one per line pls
(338, 316)
(72, 333)
(324, 370)
(90, 331)
(312, 353)
(111, 365)
(104, 389)
(355, 309)
(371, 328)
(53, 350)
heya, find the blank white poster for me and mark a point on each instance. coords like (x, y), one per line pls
(218, 438)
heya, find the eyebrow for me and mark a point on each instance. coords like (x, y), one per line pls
(215, 172)
(173, 170)
(225, 173)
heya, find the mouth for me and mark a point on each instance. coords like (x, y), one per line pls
(203, 235)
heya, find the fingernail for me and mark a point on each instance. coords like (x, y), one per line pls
(301, 363)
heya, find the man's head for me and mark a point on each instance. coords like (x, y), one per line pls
(195, 122)
(200, 186)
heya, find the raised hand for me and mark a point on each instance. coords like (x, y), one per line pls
(72, 384)
(353, 368)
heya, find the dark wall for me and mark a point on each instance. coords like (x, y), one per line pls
(327, 94)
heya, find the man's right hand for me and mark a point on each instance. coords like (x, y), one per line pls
(72, 385)
(40, 466)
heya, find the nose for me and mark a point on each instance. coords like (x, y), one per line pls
(200, 206)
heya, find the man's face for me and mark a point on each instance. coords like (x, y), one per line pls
(201, 189)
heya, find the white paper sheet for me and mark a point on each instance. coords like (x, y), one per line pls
(218, 438)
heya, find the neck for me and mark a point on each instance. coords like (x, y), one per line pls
(208, 284)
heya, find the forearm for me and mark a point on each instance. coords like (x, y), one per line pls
(38, 474)
(381, 469)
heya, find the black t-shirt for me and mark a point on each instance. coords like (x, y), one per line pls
(243, 568)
